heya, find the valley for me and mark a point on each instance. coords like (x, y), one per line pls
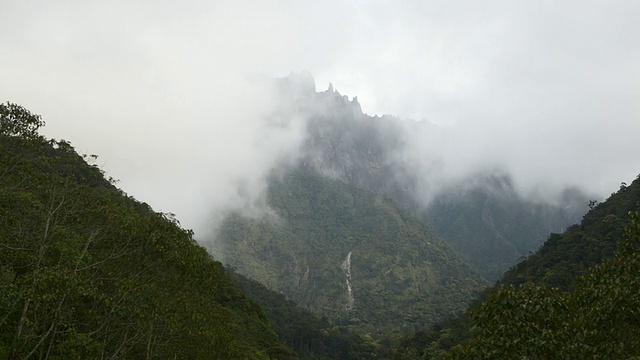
(350, 256)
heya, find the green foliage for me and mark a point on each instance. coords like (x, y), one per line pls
(87, 272)
(559, 263)
(565, 257)
(402, 275)
(599, 317)
(308, 335)
(18, 121)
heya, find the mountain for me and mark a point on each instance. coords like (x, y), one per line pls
(570, 270)
(481, 215)
(565, 257)
(598, 318)
(87, 272)
(348, 254)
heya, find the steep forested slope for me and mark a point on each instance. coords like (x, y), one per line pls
(350, 255)
(87, 272)
(547, 280)
(310, 336)
(598, 318)
(565, 257)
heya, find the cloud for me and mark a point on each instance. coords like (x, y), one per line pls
(168, 94)
(548, 89)
(176, 100)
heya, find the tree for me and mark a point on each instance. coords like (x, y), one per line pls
(600, 317)
(15, 120)
(87, 272)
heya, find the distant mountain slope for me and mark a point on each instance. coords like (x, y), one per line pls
(492, 226)
(350, 255)
(482, 216)
(87, 272)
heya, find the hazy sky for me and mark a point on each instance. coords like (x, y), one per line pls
(166, 92)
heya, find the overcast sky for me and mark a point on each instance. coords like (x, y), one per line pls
(165, 92)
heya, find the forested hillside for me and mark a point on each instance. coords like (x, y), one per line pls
(350, 255)
(310, 336)
(598, 318)
(583, 281)
(87, 272)
(565, 257)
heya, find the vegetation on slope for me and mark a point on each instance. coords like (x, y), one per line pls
(308, 335)
(550, 276)
(565, 257)
(327, 233)
(87, 272)
(598, 318)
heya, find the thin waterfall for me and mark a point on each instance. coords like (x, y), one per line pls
(346, 267)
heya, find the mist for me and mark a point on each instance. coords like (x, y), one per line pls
(178, 102)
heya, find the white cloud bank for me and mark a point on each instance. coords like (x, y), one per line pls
(169, 94)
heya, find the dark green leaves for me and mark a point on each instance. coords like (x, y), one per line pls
(18, 121)
(600, 317)
(87, 273)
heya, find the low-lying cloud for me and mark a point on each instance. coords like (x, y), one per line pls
(174, 97)
(177, 100)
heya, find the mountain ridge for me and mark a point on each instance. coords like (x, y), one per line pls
(381, 155)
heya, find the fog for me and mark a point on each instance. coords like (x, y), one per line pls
(176, 101)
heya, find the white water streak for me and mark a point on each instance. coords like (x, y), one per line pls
(346, 267)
